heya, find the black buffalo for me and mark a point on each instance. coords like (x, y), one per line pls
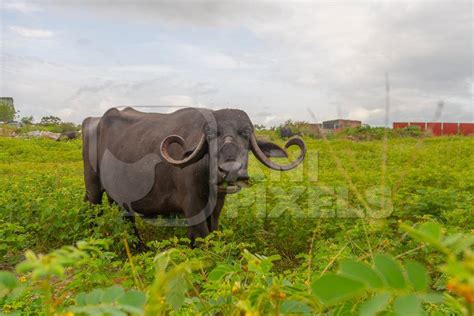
(286, 132)
(68, 136)
(185, 162)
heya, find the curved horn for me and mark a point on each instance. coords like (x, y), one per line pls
(193, 157)
(270, 164)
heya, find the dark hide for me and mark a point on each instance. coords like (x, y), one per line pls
(122, 157)
(68, 136)
(286, 132)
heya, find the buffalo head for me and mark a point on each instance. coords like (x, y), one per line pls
(234, 135)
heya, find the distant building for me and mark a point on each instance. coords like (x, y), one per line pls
(439, 128)
(340, 124)
(314, 128)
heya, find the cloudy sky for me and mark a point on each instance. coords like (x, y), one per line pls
(275, 60)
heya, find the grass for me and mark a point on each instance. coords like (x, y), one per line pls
(301, 215)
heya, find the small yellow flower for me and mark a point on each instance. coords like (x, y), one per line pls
(235, 290)
(22, 279)
(7, 309)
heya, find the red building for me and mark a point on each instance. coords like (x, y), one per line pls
(439, 129)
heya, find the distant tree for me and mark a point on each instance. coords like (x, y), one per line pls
(259, 127)
(50, 120)
(7, 112)
(290, 128)
(66, 127)
(27, 120)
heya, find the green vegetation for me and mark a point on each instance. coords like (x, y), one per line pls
(26, 120)
(343, 237)
(299, 128)
(360, 133)
(7, 111)
(51, 124)
(50, 120)
(367, 132)
(48, 123)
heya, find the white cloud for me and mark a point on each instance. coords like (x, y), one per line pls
(23, 7)
(66, 114)
(175, 13)
(294, 55)
(81, 91)
(363, 114)
(176, 100)
(142, 68)
(32, 33)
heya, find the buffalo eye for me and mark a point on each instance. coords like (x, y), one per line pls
(246, 132)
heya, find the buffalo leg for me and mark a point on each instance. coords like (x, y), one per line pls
(94, 196)
(131, 218)
(198, 231)
(213, 219)
(94, 191)
(110, 200)
(193, 206)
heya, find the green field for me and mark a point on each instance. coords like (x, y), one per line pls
(345, 234)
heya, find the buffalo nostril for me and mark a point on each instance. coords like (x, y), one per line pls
(230, 166)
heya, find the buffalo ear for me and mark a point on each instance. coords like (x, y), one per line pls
(271, 149)
(188, 152)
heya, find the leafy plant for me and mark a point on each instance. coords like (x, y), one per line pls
(172, 281)
(388, 285)
(44, 268)
(110, 301)
(281, 247)
(459, 262)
